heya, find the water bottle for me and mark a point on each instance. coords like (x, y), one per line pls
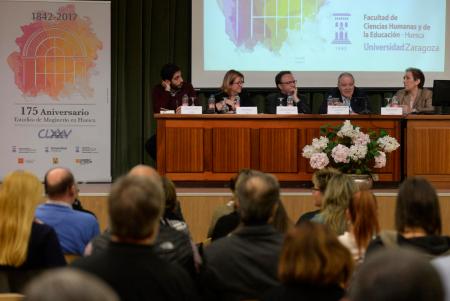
(394, 101)
(224, 106)
(185, 100)
(290, 101)
(211, 103)
(237, 102)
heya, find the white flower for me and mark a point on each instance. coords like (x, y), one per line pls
(308, 151)
(321, 143)
(361, 139)
(357, 152)
(340, 154)
(380, 160)
(388, 143)
(347, 130)
(319, 160)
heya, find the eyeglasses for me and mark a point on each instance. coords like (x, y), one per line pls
(289, 82)
(238, 83)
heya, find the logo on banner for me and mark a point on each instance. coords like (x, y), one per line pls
(55, 160)
(14, 149)
(54, 133)
(341, 26)
(55, 56)
(20, 160)
(83, 161)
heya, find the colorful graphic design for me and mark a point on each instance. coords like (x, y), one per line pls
(57, 55)
(266, 21)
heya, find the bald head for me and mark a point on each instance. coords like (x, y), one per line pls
(60, 184)
(144, 171)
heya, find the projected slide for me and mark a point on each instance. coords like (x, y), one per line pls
(324, 35)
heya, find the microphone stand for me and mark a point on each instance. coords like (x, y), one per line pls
(366, 110)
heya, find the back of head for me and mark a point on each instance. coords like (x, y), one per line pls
(396, 275)
(68, 285)
(321, 177)
(364, 217)
(340, 189)
(312, 254)
(257, 194)
(418, 207)
(135, 207)
(20, 193)
(58, 182)
(168, 70)
(170, 193)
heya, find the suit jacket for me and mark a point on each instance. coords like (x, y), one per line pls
(272, 101)
(357, 101)
(244, 97)
(423, 102)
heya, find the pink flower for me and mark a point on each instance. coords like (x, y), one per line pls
(319, 160)
(380, 160)
(340, 154)
(361, 139)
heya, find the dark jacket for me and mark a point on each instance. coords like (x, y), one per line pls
(272, 101)
(358, 101)
(305, 292)
(244, 96)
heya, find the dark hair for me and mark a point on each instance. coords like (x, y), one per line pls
(234, 179)
(279, 76)
(168, 70)
(396, 275)
(60, 187)
(135, 206)
(257, 195)
(417, 206)
(312, 254)
(322, 176)
(417, 75)
(170, 193)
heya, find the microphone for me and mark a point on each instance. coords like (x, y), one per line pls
(365, 100)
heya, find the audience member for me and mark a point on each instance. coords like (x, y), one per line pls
(287, 86)
(243, 264)
(231, 89)
(68, 285)
(363, 224)
(27, 245)
(74, 228)
(340, 189)
(320, 180)
(173, 216)
(396, 275)
(313, 265)
(442, 265)
(348, 95)
(417, 221)
(414, 97)
(129, 263)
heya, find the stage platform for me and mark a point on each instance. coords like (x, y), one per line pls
(198, 205)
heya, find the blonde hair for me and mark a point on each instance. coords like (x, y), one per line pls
(229, 78)
(339, 191)
(20, 194)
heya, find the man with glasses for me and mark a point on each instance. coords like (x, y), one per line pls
(287, 86)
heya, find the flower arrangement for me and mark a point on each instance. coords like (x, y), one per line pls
(348, 149)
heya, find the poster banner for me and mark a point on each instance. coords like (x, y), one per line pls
(55, 82)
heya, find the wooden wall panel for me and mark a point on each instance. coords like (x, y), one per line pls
(231, 149)
(185, 150)
(278, 150)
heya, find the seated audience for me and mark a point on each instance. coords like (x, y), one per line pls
(243, 265)
(396, 275)
(287, 86)
(340, 189)
(74, 228)
(348, 95)
(417, 221)
(442, 265)
(129, 263)
(173, 216)
(231, 89)
(67, 285)
(414, 97)
(320, 180)
(313, 265)
(363, 224)
(26, 245)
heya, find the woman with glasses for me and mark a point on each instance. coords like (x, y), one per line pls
(231, 95)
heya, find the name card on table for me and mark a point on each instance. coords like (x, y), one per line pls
(289, 110)
(191, 109)
(247, 110)
(338, 110)
(167, 112)
(391, 111)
